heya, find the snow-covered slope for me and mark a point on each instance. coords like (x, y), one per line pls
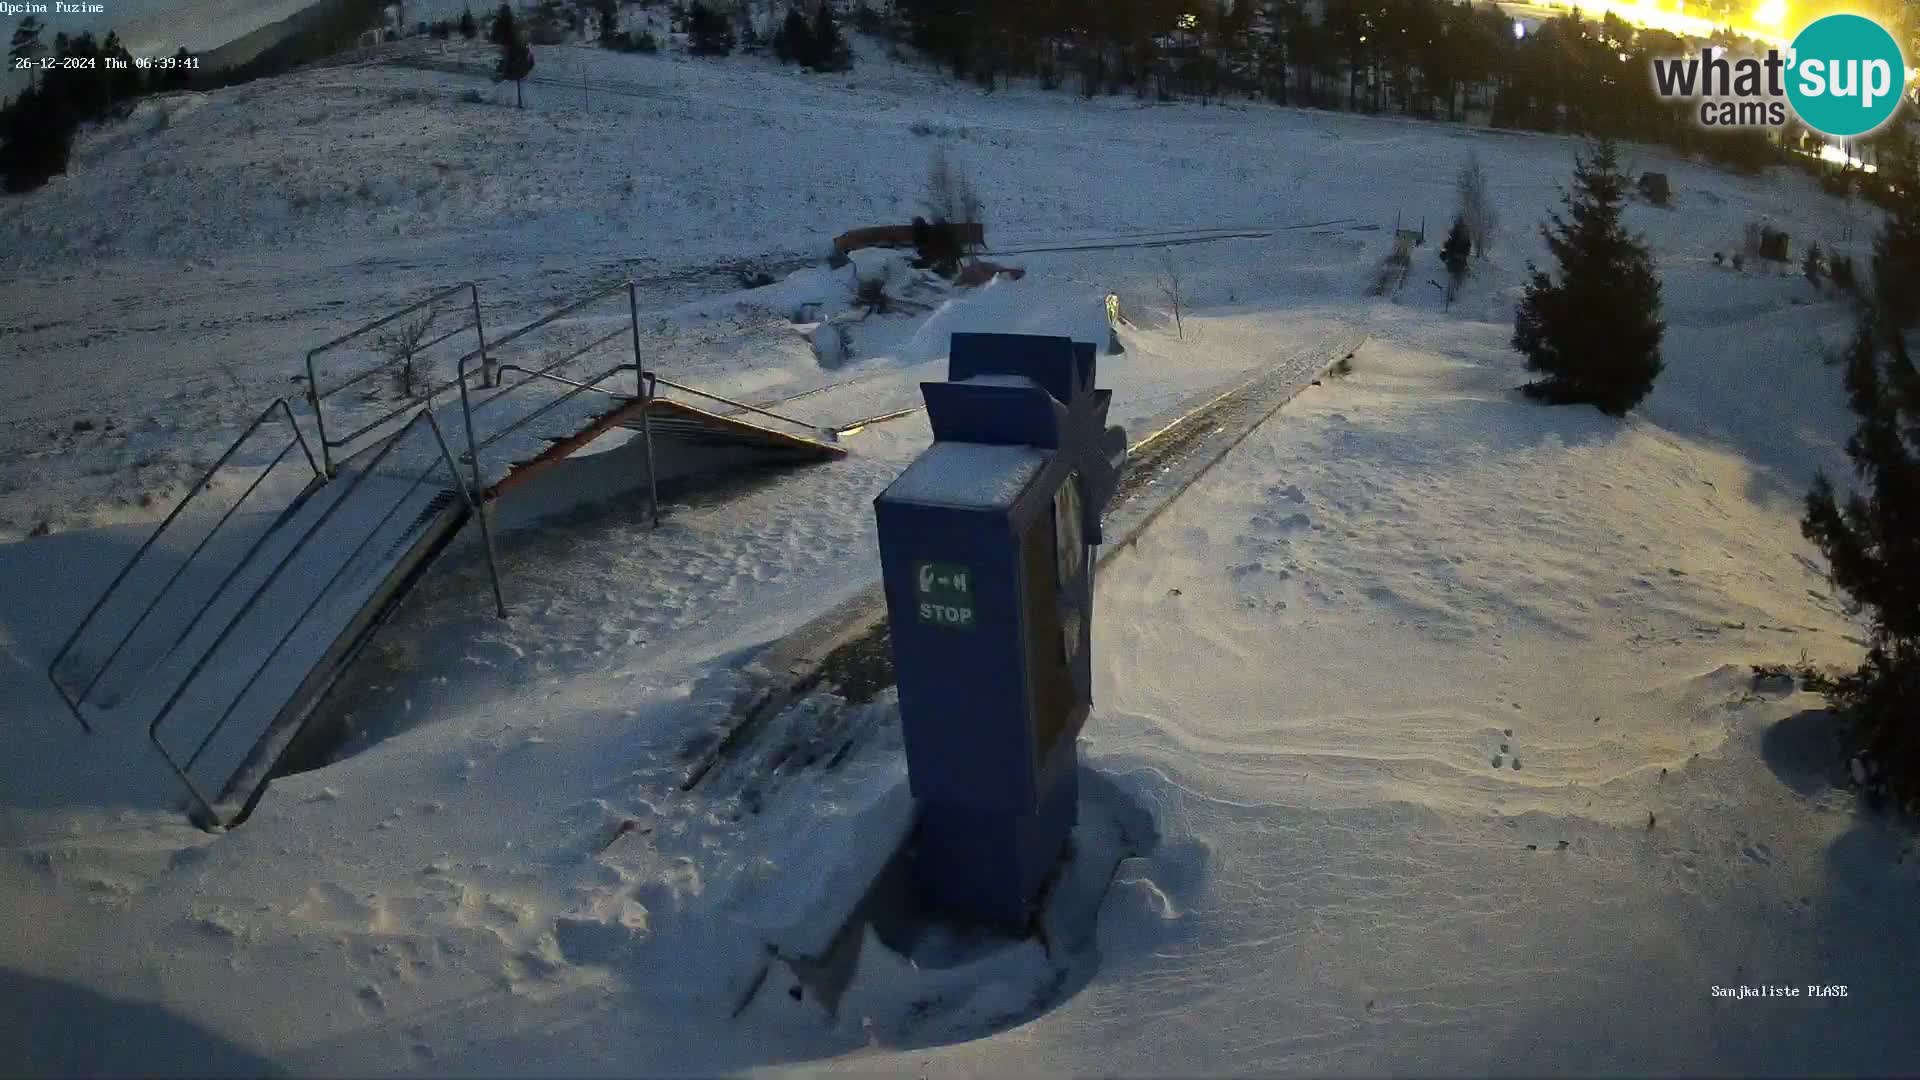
(1436, 698)
(177, 275)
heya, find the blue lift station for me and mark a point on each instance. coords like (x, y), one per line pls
(986, 548)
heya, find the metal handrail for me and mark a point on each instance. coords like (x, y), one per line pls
(348, 562)
(560, 363)
(272, 767)
(315, 397)
(461, 329)
(611, 372)
(419, 348)
(193, 673)
(563, 312)
(377, 324)
(737, 404)
(467, 406)
(179, 571)
(645, 384)
(578, 388)
(73, 703)
(388, 417)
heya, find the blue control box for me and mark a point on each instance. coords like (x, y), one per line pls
(986, 548)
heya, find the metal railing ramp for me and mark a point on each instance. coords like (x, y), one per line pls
(231, 620)
(229, 624)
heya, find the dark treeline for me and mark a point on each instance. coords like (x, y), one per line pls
(1434, 59)
(37, 126)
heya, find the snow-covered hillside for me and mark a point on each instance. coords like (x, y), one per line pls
(1437, 700)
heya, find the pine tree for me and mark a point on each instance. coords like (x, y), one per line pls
(794, 41)
(180, 76)
(123, 82)
(516, 56)
(469, 29)
(1595, 335)
(544, 26)
(1872, 544)
(26, 45)
(829, 48)
(709, 32)
(36, 137)
(1896, 250)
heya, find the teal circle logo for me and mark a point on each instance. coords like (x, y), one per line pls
(1845, 75)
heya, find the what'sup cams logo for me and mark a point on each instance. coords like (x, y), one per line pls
(1844, 75)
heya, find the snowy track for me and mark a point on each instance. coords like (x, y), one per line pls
(846, 652)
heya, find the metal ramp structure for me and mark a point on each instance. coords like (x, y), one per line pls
(229, 624)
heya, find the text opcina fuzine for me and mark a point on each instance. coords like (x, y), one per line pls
(58, 7)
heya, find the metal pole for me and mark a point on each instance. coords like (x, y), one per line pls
(319, 420)
(479, 496)
(480, 332)
(480, 508)
(645, 385)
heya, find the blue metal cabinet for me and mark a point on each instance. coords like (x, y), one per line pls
(986, 545)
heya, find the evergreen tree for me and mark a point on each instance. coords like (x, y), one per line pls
(469, 29)
(26, 45)
(709, 32)
(36, 137)
(829, 48)
(544, 26)
(123, 83)
(1872, 544)
(1594, 335)
(793, 42)
(180, 76)
(1896, 250)
(516, 56)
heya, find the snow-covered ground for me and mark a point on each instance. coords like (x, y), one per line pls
(1437, 700)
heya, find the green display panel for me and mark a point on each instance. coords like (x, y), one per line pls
(943, 594)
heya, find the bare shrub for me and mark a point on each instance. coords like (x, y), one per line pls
(955, 209)
(1475, 205)
(951, 198)
(412, 375)
(1170, 287)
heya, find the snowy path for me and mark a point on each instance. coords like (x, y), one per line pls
(1457, 777)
